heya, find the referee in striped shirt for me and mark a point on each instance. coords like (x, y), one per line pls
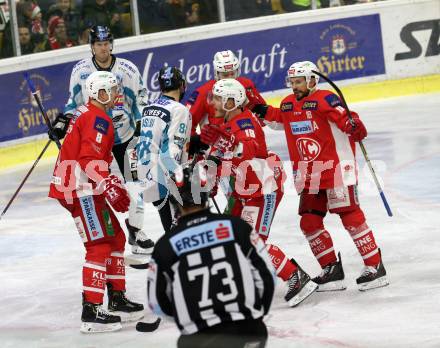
(211, 273)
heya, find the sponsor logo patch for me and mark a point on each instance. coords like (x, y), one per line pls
(286, 106)
(301, 127)
(101, 125)
(310, 105)
(192, 99)
(333, 100)
(92, 221)
(202, 236)
(119, 102)
(80, 227)
(245, 124)
(108, 223)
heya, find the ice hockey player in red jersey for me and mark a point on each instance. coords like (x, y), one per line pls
(83, 185)
(321, 140)
(256, 176)
(226, 65)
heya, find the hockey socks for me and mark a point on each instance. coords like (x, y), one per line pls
(319, 239)
(284, 267)
(362, 236)
(116, 271)
(94, 279)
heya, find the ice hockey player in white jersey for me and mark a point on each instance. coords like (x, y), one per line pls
(125, 115)
(164, 141)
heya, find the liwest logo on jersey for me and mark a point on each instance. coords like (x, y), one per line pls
(101, 125)
(301, 127)
(93, 225)
(310, 105)
(202, 236)
(245, 124)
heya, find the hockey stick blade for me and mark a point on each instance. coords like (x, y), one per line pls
(148, 327)
(140, 265)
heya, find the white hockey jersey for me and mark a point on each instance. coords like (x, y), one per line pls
(163, 145)
(125, 113)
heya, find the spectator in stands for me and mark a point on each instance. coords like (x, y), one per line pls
(200, 12)
(72, 18)
(105, 13)
(26, 44)
(57, 34)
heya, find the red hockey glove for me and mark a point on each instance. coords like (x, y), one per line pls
(356, 128)
(115, 193)
(214, 136)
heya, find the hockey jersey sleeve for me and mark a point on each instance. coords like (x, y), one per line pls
(96, 140)
(133, 88)
(158, 289)
(263, 272)
(75, 90)
(198, 108)
(174, 148)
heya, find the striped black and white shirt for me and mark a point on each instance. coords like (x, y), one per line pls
(210, 269)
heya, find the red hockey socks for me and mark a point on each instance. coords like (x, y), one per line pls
(284, 267)
(94, 279)
(363, 238)
(116, 271)
(319, 239)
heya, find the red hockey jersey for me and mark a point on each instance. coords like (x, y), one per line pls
(253, 169)
(323, 156)
(200, 109)
(85, 155)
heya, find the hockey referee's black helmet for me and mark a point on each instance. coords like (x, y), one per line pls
(190, 182)
(99, 33)
(170, 78)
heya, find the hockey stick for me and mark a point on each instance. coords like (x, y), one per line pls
(361, 145)
(40, 105)
(216, 205)
(25, 178)
(148, 327)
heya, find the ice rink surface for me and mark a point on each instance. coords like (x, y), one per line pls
(41, 254)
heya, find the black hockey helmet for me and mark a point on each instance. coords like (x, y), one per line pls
(190, 180)
(170, 78)
(99, 33)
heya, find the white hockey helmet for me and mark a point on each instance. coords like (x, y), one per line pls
(302, 69)
(226, 61)
(100, 80)
(230, 89)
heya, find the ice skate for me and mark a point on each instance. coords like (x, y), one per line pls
(140, 243)
(95, 319)
(300, 287)
(373, 277)
(331, 277)
(120, 305)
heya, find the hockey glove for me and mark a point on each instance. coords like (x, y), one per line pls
(214, 136)
(196, 146)
(260, 110)
(59, 127)
(115, 193)
(355, 128)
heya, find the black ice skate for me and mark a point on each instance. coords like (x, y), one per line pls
(120, 305)
(373, 277)
(300, 287)
(331, 277)
(140, 243)
(95, 319)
